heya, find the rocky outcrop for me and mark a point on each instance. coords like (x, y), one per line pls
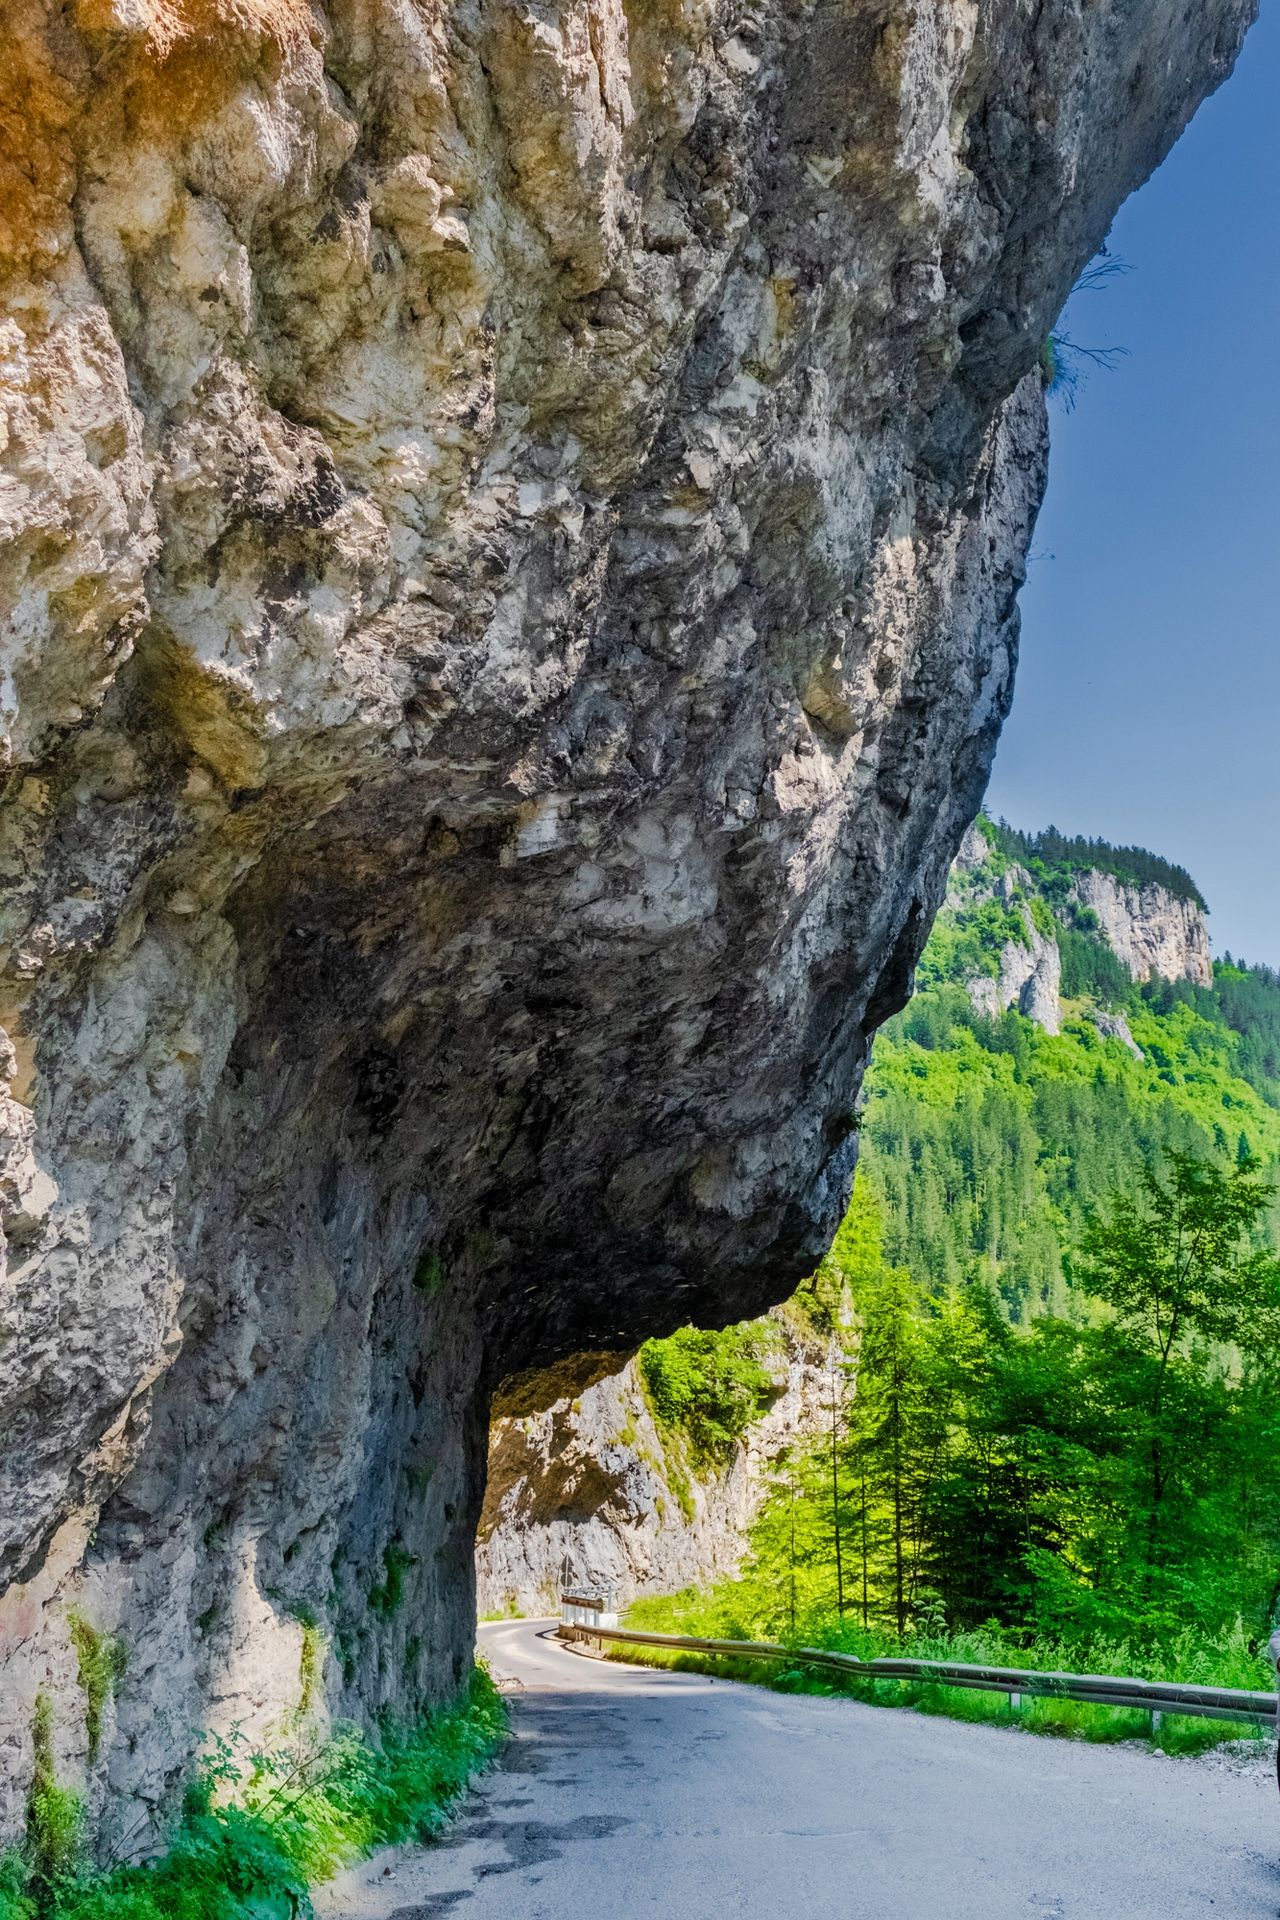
(1030, 973)
(1114, 1026)
(512, 517)
(593, 1492)
(1149, 929)
(1039, 997)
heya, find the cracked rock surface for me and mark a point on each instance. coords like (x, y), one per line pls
(512, 513)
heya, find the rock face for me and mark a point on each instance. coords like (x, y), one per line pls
(1114, 1026)
(593, 1491)
(1030, 976)
(512, 515)
(1151, 931)
(1148, 928)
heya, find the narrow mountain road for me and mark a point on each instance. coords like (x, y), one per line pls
(627, 1793)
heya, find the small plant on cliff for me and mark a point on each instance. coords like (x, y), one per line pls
(54, 1816)
(388, 1597)
(315, 1644)
(100, 1658)
(1063, 361)
(429, 1274)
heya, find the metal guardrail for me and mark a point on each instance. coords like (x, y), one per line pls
(582, 1606)
(1156, 1697)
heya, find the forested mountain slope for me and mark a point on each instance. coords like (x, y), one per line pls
(1068, 1029)
(1033, 1074)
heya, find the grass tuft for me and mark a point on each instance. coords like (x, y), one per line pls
(100, 1658)
(387, 1597)
(315, 1645)
(54, 1815)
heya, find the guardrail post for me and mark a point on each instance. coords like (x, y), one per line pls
(1015, 1703)
(1157, 1721)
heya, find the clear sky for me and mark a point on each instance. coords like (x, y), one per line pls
(1148, 701)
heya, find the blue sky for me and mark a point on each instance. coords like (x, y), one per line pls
(1148, 702)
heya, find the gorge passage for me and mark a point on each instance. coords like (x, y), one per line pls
(513, 519)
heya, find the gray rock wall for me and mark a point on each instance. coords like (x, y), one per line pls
(1149, 929)
(1030, 976)
(512, 517)
(593, 1491)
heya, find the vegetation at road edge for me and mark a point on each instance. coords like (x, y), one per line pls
(257, 1828)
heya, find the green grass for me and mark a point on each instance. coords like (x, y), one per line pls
(298, 1815)
(1225, 1662)
(315, 1645)
(429, 1274)
(1067, 1719)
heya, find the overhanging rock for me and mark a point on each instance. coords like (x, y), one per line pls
(513, 515)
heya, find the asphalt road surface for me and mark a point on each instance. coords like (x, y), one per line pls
(627, 1794)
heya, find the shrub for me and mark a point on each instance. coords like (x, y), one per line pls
(388, 1597)
(100, 1658)
(708, 1385)
(54, 1814)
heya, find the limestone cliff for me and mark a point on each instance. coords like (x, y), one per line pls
(1029, 977)
(512, 517)
(1148, 928)
(595, 1491)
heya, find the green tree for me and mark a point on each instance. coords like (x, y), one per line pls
(1180, 1260)
(1178, 1269)
(896, 1435)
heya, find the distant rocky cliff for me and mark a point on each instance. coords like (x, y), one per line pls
(1148, 928)
(1151, 930)
(1029, 976)
(512, 518)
